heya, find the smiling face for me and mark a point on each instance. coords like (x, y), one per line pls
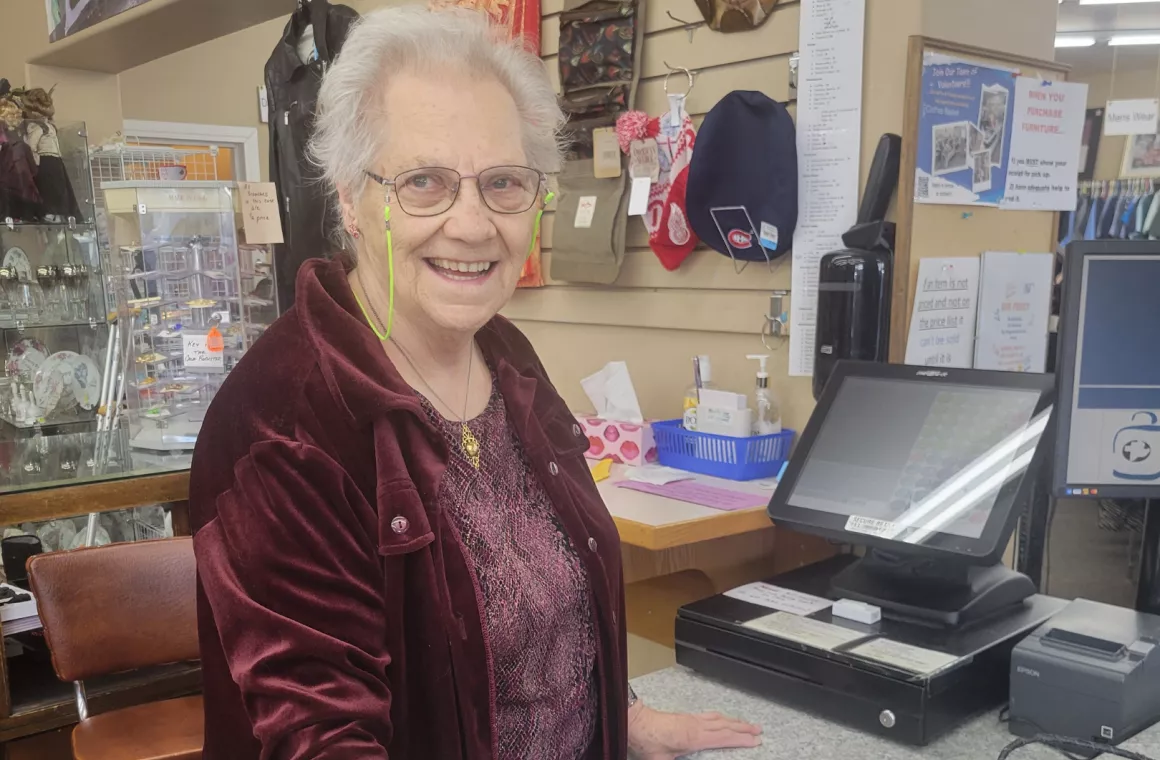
(453, 270)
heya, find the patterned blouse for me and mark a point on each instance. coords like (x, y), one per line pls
(536, 608)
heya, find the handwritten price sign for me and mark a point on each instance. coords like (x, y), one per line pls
(260, 217)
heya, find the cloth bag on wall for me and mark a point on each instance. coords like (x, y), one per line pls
(735, 15)
(600, 43)
(591, 222)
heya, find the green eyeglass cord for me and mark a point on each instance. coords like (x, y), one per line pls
(391, 270)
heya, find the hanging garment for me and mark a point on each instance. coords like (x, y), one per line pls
(1150, 229)
(670, 235)
(1107, 214)
(1090, 229)
(1117, 215)
(292, 86)
(521, 19)
(1128, 219)
(1142, 214)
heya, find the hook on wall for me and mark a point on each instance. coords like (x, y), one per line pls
(690, 27)
(691, 75)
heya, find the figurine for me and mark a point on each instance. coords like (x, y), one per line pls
(56, 191)
(19, 195)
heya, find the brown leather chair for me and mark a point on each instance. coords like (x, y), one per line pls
(117, 608)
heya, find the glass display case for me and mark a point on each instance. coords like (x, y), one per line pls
(191, 297)
(53, 330)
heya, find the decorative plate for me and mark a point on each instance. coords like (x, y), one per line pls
(52, 379)
(17, 260)
(26, 357)
(86, 382)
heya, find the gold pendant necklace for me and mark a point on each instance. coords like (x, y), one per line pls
(468, 443)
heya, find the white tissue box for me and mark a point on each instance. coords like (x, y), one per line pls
(623, 442)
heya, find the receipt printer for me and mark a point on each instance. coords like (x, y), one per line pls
(1091, 672)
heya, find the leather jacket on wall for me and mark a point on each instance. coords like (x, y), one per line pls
(292, 87)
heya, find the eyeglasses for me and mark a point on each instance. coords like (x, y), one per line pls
(432, 190)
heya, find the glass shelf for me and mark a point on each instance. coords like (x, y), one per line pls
(56, 456)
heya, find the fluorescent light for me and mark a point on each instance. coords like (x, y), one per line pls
(1069, 42)
(1135, 39)
(1113, 2)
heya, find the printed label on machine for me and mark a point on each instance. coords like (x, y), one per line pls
(778, 598)
(870, 526)
(904, 656)
(814, 633)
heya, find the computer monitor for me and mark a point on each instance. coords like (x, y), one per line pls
(926, 467)
(1108, 371)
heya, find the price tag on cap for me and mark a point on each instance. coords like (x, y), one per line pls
(644, 161)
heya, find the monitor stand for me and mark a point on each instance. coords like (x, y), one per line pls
(931, 592)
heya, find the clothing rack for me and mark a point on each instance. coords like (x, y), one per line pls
(1105, 187)
(1123, 209)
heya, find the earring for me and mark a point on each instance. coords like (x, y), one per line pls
(354, 233)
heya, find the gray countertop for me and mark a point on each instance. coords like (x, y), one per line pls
(793, 735)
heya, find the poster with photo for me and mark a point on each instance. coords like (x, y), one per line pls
(964, 132)
(1141, 157)
(67, 17)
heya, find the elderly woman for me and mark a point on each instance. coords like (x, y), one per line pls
(401, 551)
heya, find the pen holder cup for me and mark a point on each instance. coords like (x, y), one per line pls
(759, 456)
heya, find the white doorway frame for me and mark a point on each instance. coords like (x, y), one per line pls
(243, 140)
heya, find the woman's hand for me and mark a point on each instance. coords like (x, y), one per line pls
(654, 735)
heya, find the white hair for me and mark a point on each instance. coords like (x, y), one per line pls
(348, 124)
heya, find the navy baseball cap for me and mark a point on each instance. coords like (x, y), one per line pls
(743, 180)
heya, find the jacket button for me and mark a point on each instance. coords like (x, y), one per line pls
(592, 544)
(576, 431)
(400, 524)
(552, 468)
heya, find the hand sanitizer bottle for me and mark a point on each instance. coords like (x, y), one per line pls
(768, 420)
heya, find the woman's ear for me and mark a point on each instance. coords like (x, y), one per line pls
(349, 208)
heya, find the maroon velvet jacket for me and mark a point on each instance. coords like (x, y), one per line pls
(337, 616)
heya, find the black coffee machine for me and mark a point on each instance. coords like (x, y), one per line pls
(854, 284)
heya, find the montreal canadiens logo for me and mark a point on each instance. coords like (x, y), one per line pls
(740, 239)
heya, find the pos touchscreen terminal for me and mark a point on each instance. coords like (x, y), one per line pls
(927, 468)
(923, 473)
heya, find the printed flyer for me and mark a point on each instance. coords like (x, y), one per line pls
(964, 132)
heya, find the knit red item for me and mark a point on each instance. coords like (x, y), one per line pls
(635, 125)
(670, 235)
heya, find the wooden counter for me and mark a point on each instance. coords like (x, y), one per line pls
(675, 553)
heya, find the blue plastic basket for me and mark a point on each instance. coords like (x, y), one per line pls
(760, 456)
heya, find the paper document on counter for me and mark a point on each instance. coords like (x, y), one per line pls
(904, 656)
(778, 598)
(814, 633)
(657, 475)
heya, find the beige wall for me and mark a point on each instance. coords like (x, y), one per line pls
(1138, 78)
(656, 320)
(80, 95)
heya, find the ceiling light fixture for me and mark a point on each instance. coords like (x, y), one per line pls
(1113, 2)
(1135, 39)
(1074, 42)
